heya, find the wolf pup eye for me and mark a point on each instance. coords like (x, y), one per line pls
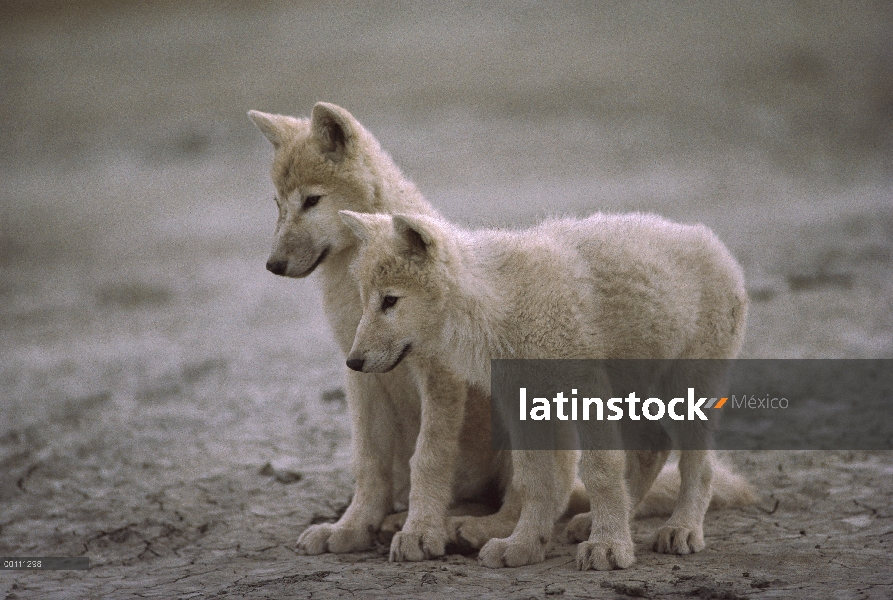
(388, 301)
(311, 201)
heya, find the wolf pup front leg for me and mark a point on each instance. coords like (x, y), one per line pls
(432, 466)
(433, 463)
(373, 437)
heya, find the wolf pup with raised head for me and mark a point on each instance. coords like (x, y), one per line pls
(447, 300)
(322, 165)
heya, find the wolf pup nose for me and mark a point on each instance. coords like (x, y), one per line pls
(277, 267)
(355, 363)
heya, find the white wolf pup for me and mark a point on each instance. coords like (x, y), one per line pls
(628, 286)
(320, 166)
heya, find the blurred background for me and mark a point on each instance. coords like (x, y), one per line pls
(138, 326)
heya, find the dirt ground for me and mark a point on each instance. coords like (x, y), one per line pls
(174, 412)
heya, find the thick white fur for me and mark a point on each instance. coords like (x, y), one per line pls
(621, 286)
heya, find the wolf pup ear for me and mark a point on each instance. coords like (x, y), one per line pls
(274, 127)
(413, 237)
(333, 128)
(356, 222)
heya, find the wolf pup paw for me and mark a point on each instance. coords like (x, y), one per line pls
(390, 526)
(672, 539)
(605, 555)
(579, 527)
(326, 537)
(508, 552)
(413, 546)
(474, 532)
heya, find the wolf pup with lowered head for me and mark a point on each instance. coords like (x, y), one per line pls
(447, 300)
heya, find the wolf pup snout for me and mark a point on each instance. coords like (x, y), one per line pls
(277, 267)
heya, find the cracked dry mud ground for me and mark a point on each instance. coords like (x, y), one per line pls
(172, 411)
